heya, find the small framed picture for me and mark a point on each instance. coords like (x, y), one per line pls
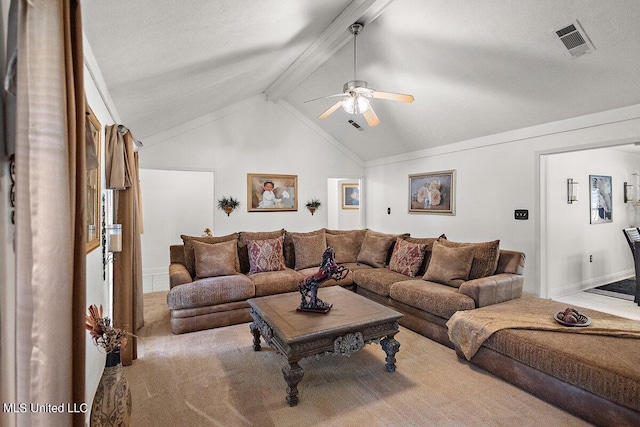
(601, 207)
(269, 192)
(432, 192)
(350, 196)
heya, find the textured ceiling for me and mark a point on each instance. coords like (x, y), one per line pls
(475, 68)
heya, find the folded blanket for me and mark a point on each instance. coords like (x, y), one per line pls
(469, 329)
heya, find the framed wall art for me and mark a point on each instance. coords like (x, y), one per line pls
(432, 192)
(92, 182)
(269, 192)
(350, 196)
(600, 197)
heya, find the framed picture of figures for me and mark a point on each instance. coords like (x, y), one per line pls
(432, 192)
(92, 181)
(600, 198)
(271, 193)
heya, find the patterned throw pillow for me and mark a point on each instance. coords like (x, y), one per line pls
(265, 255)
(407, 257)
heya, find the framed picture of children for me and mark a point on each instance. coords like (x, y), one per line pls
(350, 196)
(269, 192)
(433, 192)
(601, 201)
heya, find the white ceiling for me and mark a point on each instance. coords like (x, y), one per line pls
(476, 68)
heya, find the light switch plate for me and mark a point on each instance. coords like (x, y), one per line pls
(521, 214)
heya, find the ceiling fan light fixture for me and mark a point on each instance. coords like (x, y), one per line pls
(355, 104)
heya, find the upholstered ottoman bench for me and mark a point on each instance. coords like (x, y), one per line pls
(596, 377)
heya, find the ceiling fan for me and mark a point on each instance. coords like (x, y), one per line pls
(357, 92)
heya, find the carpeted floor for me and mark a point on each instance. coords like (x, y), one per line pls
(214, 378)
(623, 289)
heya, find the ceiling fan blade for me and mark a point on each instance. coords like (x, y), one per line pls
(393, 96)
(371, 117)
(330, 110)
(325, 97)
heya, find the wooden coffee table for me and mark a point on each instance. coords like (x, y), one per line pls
(352, 322)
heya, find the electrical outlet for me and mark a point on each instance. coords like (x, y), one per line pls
(590, 258)
(521, 214)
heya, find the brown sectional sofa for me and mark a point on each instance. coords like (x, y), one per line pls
(570, 372)
(209, 302)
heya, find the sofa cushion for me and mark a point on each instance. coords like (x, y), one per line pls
(427, 256)
(265, 255)
(434, 298)
(289, 249)
(245, 236)
(218, 259)
(276, 282)
(376, 248)
(210, 291)
(485, 257)
(449, 266)
(189, 255)
(407, 257)
(346, 244)
(377, 280)
(308, 250)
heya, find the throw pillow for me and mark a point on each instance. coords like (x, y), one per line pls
(218, 259)
(244, 238)
(375, 248)
(449, 266)
(189, 256)
(289, 250)
(309, 250)
(346, 244)
(407, 257)
(427, 256)
(485, 257)
(265, 255)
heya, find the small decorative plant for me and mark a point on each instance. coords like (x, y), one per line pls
(228, 204)
(313, 204)
(102, 333)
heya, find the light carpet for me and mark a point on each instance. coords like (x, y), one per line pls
(214, 378)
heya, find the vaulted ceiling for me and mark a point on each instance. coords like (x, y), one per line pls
(476, 68)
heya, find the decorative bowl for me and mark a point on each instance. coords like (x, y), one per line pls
(583, 320)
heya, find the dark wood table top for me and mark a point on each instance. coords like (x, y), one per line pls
(349, 311)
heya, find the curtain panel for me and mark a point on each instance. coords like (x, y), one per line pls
(50, 203)
(122, 174)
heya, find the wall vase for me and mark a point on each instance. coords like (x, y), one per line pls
(112, 401)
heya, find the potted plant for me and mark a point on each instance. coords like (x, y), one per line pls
(228, 204)
(313, 205)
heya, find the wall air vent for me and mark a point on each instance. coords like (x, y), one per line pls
(357, 126)
(575, 39)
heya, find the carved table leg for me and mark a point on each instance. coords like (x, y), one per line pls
(293, 373)
(256, 336)
(391, 347)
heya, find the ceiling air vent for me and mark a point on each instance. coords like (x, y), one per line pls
(355, 125)
(575, 39)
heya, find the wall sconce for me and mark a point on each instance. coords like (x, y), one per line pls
(572, 191)
(111, 239)
(628, 192)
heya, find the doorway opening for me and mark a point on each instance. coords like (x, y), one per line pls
(345, 203)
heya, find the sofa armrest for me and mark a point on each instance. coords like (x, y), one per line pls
(178, 275)
(493, 289)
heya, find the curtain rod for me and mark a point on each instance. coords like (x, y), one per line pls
(123, 130)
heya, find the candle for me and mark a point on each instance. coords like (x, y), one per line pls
(115, 238)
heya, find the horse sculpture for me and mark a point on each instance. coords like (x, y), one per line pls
(308, 287)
